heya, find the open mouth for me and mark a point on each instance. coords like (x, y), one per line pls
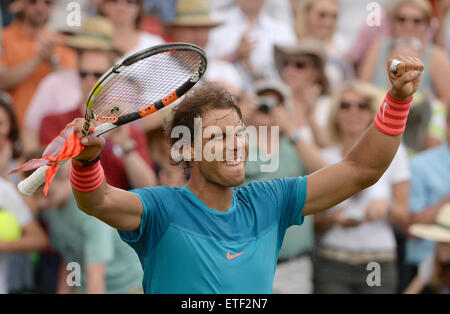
(233, 163)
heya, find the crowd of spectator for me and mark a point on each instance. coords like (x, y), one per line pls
(314, 68)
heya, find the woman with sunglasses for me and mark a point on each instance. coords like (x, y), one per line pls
(358, 231)
(302, 68)
(126, 17)
(410, 26)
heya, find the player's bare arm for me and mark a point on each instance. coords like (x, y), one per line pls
(118, 208)
(370, 157)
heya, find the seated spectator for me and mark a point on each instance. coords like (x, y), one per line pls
(274, 154)
(246, 38)
(107, 264)
(302, 68)
(126, 149)
(358, 231)
(410, 23)
(318, 19)
(435, 270)
(430, 190)
(126, 17)
(29, 52)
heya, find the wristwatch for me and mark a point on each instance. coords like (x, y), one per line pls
(295, 137)
(123, 150)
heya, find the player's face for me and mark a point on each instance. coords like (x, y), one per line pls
(91, 66)
(354, 114)
(231, 146)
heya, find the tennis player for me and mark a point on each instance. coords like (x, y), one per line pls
(212, 237)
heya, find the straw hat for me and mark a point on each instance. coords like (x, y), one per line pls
(439, 231)
(193, 13)
(96, 33)
(307, 46)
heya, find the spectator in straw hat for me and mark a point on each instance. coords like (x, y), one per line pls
(193, 24)
(435, 270)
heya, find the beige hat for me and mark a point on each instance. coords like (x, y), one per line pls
(439, 231)
(193, 13)
(96, 33)
(308, 46)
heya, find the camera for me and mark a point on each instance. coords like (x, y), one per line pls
(266, 103)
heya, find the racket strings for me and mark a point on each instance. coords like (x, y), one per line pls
(144, 83)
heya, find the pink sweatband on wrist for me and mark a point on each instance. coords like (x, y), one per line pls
(392, 116)
(86, 179)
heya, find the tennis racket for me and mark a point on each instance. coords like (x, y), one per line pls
(140, 85)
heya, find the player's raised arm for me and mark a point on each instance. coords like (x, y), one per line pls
(118, 208)
(371, 156)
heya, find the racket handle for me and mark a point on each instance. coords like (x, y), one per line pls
(33, 182)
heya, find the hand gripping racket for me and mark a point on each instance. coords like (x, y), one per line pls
(136, 87)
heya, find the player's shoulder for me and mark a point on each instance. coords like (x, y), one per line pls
(268, 187)
(162, 193)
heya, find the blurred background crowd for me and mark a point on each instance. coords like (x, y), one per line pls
(315, 68)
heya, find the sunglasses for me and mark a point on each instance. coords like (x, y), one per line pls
(403, 19)
(84, 74)
(363, 105)
(299, 64)
(47, 2)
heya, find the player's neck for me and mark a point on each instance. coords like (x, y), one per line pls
(212, 195)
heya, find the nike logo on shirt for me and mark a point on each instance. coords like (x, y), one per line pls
(229, 256)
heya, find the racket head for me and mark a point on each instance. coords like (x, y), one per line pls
(144, 83)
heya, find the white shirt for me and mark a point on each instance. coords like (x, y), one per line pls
(11, 201)
(369, 236)
(223, 71)
(58, 92)
(225, 39)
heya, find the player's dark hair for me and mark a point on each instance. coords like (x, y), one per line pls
(202, 99)
(13, 134)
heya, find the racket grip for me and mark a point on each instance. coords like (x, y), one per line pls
(29, 185)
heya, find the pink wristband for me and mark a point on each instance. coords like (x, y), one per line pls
(392, 116)
(86, 179)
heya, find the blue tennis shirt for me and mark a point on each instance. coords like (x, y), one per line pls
(186, 247)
